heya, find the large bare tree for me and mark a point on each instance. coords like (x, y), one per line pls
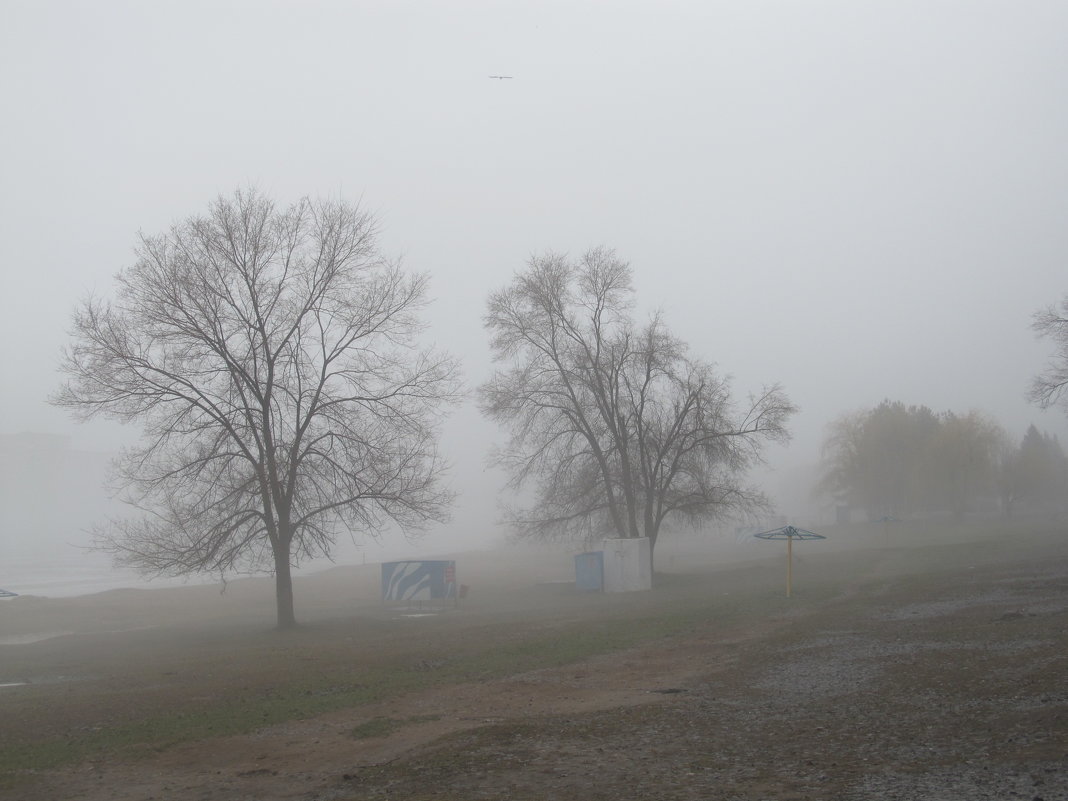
(270, 355)
(615, 428)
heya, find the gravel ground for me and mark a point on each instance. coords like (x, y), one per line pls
(959, 695)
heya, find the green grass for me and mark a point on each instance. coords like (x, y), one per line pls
(245, 711)
(236, 716)
(383, 727)
(679, 604)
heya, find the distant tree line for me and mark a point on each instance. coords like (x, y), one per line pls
(1033, 476)
(901, 461)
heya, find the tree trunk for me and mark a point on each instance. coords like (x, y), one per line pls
(283, 587)
(652, 533)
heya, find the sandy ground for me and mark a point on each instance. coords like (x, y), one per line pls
(926, 671)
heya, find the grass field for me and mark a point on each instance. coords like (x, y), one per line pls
(161, 687)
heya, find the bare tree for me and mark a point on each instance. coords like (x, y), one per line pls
(270, 357)
(617, 429)
(1048, 388)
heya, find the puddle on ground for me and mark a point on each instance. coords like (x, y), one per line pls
(39, 680)
(26, 639)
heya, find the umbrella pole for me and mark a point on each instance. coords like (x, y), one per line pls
(789, 564)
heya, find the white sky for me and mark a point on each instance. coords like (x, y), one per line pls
(862, 200)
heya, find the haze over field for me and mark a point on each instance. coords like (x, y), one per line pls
(860, 201)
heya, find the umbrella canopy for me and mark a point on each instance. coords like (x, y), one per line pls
(789, 533)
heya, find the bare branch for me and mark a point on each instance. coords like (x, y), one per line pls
(617, 428)
(1048, 388)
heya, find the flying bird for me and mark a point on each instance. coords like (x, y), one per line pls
(501, 77)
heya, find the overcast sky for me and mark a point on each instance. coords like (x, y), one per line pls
(861, 200)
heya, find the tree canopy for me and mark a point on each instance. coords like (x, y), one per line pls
(270, 356)
(1034, 475)
(896, 460)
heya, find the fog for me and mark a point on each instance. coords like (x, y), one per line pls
(860, 201)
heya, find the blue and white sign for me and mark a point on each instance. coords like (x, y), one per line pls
(423, 580)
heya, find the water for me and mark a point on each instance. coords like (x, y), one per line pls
(71, 571)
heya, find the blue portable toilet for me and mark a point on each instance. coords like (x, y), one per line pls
(589, 571)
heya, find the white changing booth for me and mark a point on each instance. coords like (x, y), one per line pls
(628, 565)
